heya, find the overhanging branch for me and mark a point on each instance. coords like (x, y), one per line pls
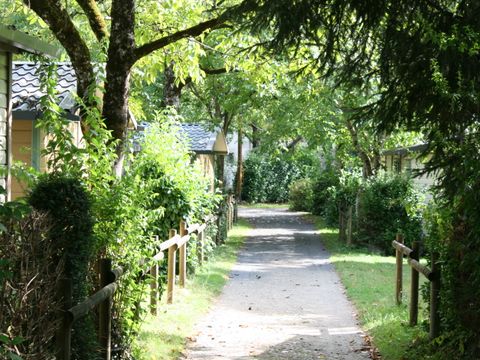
(196, 30)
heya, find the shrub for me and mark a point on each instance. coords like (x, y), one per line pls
(388, 204)
(267, 177)
(301, 195)
(323, 200)
(67, 204)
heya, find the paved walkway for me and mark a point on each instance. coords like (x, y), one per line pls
(284, 300)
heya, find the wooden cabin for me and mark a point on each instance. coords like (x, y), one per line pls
(408, 160)
(209, 147)
(12, 42)
(27, 139)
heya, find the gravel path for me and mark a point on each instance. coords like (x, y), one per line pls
(284, 299)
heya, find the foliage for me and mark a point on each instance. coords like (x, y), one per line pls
(388, 204)
(443, 234)
(323, 204)
(267, 177)
(300, 196)
(29, 271)
(71, 235)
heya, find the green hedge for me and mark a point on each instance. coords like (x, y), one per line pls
(267, 177)
(389, 204)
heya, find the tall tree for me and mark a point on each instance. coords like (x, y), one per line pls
(135, 29)
(426, 54)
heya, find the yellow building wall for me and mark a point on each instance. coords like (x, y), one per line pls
(22, 135)
(23, 143)
(207, 162)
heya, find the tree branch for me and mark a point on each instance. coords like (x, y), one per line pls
(95, 18)
(60, 23)
(196, 30)
(213, 71)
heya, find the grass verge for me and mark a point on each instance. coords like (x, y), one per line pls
(369, 280)
(265, 206)
(164, 336)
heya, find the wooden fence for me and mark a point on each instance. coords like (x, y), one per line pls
(109, 277)
(433, 275)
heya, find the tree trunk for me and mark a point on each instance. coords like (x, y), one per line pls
(367, 164)
(172, 92)
(255, 137)
(120, 60)
(239, 176)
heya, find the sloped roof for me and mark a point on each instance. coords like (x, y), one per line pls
(204, 141)
(200, 139)
(26, 86)
(406, 150)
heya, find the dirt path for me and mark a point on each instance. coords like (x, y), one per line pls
(284, 300)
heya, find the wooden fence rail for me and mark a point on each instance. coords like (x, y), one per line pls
(433, 275)
(102, 299)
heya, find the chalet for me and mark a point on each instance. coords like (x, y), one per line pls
(408, 160)
(209, 147)
(27, 139)
(12, 42)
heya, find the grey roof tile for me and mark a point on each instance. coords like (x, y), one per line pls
(26, 86)
(201, 139)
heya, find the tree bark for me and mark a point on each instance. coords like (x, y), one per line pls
(239, 176)
(172, 91)
(367, 164)
(121, 59)
(255, 137)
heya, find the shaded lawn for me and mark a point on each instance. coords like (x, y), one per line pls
(164, 336)
(369, 280)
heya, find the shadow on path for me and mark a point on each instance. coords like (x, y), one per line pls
(283, 300)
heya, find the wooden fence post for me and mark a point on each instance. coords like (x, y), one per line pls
(182, 257)
(349, 225)
(231, 212)
(64, 331)
(341, 224)
(172, 252)
(398, 291)
(105, 311)
(154, 289)
(414, 285)
(235, 210)
(435, 298)
(201, 245)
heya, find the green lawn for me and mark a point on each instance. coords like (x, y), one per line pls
(370, 283)
(164, 336)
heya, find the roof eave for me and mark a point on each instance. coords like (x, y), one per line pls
(24, 42)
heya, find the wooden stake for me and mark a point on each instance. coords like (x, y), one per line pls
(105, 311)
(414, 286)
(154, 289)
(398, 292)
(182, 257)
(64, 332)
(201, 249)
(349, 225)
(435, 298)
(171, 268)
